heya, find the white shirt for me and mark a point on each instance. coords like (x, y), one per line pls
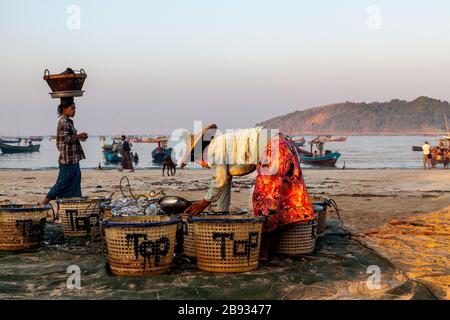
(426, 149)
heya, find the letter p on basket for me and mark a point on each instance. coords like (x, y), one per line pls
(74, 280)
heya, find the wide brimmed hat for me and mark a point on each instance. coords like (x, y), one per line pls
(198, 140)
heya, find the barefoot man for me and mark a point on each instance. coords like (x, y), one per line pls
(68, 184)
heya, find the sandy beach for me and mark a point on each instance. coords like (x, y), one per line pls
(402, 214)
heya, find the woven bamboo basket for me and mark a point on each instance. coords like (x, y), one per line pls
(22, 226)
(65, 81)
(320, 209)
(79, 216)
(228, 243)
(300, 239)
(105, 211)
(188, 238)
(140, 245)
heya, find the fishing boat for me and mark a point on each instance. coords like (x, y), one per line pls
(338, 139)
(110, 151)
(299, 142)
(416, 148)
(112, 157)
(36, 138)
(162, 150)
(9, 149)
(329, 138)
(329, 159)
(10, 140)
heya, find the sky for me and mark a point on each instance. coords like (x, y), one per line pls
(154, 66)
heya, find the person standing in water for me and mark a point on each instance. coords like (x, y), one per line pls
(426, 149)
(68, 183)
(127, 162)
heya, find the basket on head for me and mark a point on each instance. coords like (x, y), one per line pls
(300, 239)
(140, 245)
(228, 243)
(65, 84)
(22, 226)
(188, 237)
(79, 216)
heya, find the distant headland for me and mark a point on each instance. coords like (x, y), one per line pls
(397, 117)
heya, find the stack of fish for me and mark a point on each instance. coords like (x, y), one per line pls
(125, 207)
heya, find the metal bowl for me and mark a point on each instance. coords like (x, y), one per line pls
(174, 205)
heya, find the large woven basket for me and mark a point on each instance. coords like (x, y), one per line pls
(140, 245)
(22, 226)
(80, 216)
(228, 243)
(188, 237)
(300, 239)
(105, 210)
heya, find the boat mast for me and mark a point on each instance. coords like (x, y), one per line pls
(446, 124)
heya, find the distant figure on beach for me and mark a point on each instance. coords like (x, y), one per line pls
(136, 158)
(169, 165)
(426, 149)
(446, 157)
(320, 147)
(127, 163)
(68, 183)
(434, 153)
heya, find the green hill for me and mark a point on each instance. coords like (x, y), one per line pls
(421, 116)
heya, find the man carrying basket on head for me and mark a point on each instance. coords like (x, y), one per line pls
(68, 184)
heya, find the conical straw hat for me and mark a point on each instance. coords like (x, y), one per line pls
(197, 140)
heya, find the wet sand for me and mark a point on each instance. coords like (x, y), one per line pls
(402, 214)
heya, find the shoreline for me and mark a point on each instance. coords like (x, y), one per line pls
(200, 169)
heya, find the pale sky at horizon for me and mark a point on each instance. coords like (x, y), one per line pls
(154, 66)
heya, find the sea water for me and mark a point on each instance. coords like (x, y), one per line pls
(358, 152)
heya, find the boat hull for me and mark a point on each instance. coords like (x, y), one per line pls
(328, 160)
(112, 157)
(8, 149)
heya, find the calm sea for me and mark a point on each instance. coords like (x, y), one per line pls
(358, 152)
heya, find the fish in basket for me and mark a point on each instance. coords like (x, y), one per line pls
(227, 243)
(140, 245)
(80, 216)
(22, 226)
